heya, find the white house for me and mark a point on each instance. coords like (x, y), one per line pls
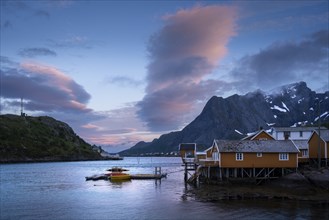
(293, 133)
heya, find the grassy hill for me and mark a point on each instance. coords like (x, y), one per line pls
(24, 139)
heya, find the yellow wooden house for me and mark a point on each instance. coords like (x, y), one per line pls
(259, 159)
(302, 146)
(319, 142)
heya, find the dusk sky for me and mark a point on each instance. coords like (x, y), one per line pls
(120, 72)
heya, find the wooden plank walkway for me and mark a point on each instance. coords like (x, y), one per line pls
(147, 176)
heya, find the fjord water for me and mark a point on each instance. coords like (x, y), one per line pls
(58, 190)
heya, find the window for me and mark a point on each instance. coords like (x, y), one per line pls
(215, 156)
(262, 139)
(239, 156)
(305, 153)
(300, 134)
(283, 156)
(259, 154)
(286, 135)
(189, 154)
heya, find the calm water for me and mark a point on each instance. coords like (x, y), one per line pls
(59, 191)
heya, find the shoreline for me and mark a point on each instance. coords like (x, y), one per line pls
(216, 193)
(306, 185)
(50, 160)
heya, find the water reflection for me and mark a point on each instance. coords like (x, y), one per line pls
(119, 183)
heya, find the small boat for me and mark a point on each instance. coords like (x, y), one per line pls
(119, 176)
(117, 169)
(97, 177)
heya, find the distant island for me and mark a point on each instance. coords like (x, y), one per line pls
(33, 139)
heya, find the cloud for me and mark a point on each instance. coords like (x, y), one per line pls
(44, 88)
(14, 5)
(90, 126)
(124, 81)
(182, 54)
(34, 52)
(6, 63)
(71, 42)
(284, 62)
(6, 24)
(61, 3)
(119, 128)
(42, 13)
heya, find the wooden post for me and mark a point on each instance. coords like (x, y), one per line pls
(157, 171)
(185, 174)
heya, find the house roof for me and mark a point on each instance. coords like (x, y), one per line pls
(266, 146)
(187, 146)
(295, 128)
(252, 136)
(324, 134)
(301, 144)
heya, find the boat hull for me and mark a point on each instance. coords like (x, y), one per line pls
(119, 177)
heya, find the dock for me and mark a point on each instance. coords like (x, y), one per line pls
(147, 176)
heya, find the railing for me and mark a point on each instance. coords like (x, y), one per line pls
(188, 160)
(208, 162)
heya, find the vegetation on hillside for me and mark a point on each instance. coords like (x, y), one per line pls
(40, 139)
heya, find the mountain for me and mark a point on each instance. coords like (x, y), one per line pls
(25, 138)
(235, 116)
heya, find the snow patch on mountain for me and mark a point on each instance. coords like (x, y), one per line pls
(279, 108)
(317, 118)
(285, 106)
(238, 132)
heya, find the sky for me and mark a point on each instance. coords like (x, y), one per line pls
(120, 72)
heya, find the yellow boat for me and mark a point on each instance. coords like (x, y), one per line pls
(119, 176)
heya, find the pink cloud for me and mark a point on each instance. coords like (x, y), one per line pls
(204, 31)
(182, 55)
(90, 126)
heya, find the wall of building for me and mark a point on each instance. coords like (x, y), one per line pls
(313, 147)
(294, 135)
(250, 160)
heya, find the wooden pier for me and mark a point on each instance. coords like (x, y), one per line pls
(157, 175)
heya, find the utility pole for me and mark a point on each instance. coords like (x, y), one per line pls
(319, 133)
(21, 106)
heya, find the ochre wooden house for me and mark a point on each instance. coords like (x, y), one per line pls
(302, 146)
(257, 159)
(321, 141)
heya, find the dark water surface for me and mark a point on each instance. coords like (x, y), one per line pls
(59, 191)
